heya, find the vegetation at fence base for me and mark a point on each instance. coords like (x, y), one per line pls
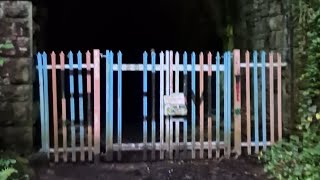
(299, 156)
(14, 167)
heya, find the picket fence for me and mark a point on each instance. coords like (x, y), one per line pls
(58, 123)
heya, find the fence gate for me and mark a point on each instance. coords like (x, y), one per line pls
(209, 105)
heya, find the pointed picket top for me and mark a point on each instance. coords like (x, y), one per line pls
(185, 54)
(201, 54)
(61, 54)
(263, 56)
(88, 53)
(53, 54)
(161, 53)
(44, 54)
(39, 55)
(70, 54)
(247, 53)
(193, 54)
(79, 54)
(119, 54)
(218, 56)
(210, 54)
(145, 55)
(79, 57)
(177, 54)
(153, 53)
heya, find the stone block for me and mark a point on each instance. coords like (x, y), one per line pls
(276, 23)
(15, 114)
(15, 93)
(22, 46)
(16, 71)
(18, 139)
(17, 9)
(12, 27)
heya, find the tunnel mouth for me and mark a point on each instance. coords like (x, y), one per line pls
(131, 28)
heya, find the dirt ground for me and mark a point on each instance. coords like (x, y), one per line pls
(243, 168)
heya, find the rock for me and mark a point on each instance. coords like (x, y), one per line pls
(275, 8)
(16, 71)
(16, 114)
(15, 93)
(18, 139)
(19, 9)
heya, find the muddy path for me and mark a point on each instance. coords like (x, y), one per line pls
(243, 168)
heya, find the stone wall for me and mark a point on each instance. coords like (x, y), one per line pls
(264, 25)
(16, 123)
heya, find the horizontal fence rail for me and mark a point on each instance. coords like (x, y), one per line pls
(233, 103)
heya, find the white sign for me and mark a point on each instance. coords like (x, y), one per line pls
(175, 105)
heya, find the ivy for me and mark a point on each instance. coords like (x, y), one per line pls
(5, 46)
(298, 157)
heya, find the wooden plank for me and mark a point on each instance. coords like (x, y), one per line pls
(89, 110)
(229, 103)
(96, 131)
(279, 98)
(225, 95)
(72, 105)
(248, 104)
(119, 105)
(42, 102)
(167, 93)
(161, 105)
(201, 104)
(54, 107)
(177, 128)
(263, 100)
(81, 113)
(171, 91)
(46, 104)
(237, 101)
(63, 108)
(109, 149)
(218, 106)
(139, 67)
(210, 106)
(140, 146)
(193, 105)
(145, 105)
(108, 125)
(110, 137)
(153, 123)
(256, 96)
(185, 91)
(271, 96)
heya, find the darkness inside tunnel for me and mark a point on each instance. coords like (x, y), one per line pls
(132, 27)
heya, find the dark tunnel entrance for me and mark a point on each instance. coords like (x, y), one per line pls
(132, 27)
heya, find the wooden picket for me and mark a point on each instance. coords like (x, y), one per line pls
(169, 69)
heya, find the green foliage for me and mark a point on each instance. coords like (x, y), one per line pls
(14, 167)
(6, 169)
(5, 46)
(299, 156)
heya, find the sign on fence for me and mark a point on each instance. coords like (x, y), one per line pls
(175, 105)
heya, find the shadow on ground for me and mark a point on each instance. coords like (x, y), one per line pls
(243, 168)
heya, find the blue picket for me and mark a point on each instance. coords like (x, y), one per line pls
(46, 99)
(225, 90)
(108, 104)
(119, 104)
(145, 105)
(110, 154)
(42, 101)
(72, 105)
(218, 105)
(263, 105)
(153, 123)
(193, 106)
(256, 96)
(229, 101)
(81, 116)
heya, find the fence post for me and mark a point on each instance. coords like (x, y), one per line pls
(96, 57)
